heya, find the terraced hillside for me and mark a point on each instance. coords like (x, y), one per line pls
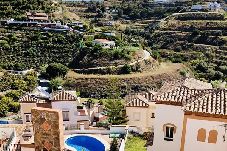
(17, 8)
(197, 38)
(22, 50)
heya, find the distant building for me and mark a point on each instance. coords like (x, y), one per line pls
(37, 16)
(169, 1)
(17, 72)
(104, 43)
(75, 1)
(109, 34)
(214, 6)
(197, 8)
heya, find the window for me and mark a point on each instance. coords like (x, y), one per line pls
(65, 115)
(28, 117)
(136, 116)
(212, 136)
(169, 131)
(201, 136)
(152, 115)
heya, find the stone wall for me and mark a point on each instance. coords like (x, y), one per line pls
(48, 129)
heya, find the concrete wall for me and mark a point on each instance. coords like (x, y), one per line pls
(146, 122)
(70, 106)
(70, 132)
(118, 129)
(122, 146)
(167, 114)
(191, 143)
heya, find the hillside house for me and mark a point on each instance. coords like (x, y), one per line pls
(191, 119)
(40, 17)
(169, 1)
(104, 43)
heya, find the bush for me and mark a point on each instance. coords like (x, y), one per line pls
(114, 145)
(56, 70)
(56, 83)
(126, 69)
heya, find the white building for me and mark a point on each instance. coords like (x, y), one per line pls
(104, 43)
(169, 1)
(191, 120)
(141, 107)
(66, 101)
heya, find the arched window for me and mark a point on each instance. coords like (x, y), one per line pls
(201, 136)
(213, 134)
(169, 131)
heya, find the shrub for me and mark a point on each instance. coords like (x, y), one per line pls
(126, 69)
(56, 70)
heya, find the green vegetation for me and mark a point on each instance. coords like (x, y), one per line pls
(18, 82)
(115, 112)
(56, 70)
(201, 44)
(14, 87)
(33, 49)
(114, 145)
(142, 10)
(56, 83)
(17, 8)
(135, 144)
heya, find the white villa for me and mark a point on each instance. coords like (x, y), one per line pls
(191, 120)
(141, 107)
(66, 101)
(104, 43)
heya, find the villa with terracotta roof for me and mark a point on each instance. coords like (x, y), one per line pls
(66, 101)
(141, 107)
(191, 120)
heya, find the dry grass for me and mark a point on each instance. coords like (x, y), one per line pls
(164, 68)
(1, 74)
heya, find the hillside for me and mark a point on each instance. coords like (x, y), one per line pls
(17, 8)
(196, 38)
(103, 86)
(22, 50)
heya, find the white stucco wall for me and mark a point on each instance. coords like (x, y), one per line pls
(145, 123)
(70, 106)
(167, 114)
(191, 143)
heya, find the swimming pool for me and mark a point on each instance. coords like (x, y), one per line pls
(4, 122)
(85, 143)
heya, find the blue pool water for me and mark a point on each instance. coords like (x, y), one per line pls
(4, 122)
(85, 143)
